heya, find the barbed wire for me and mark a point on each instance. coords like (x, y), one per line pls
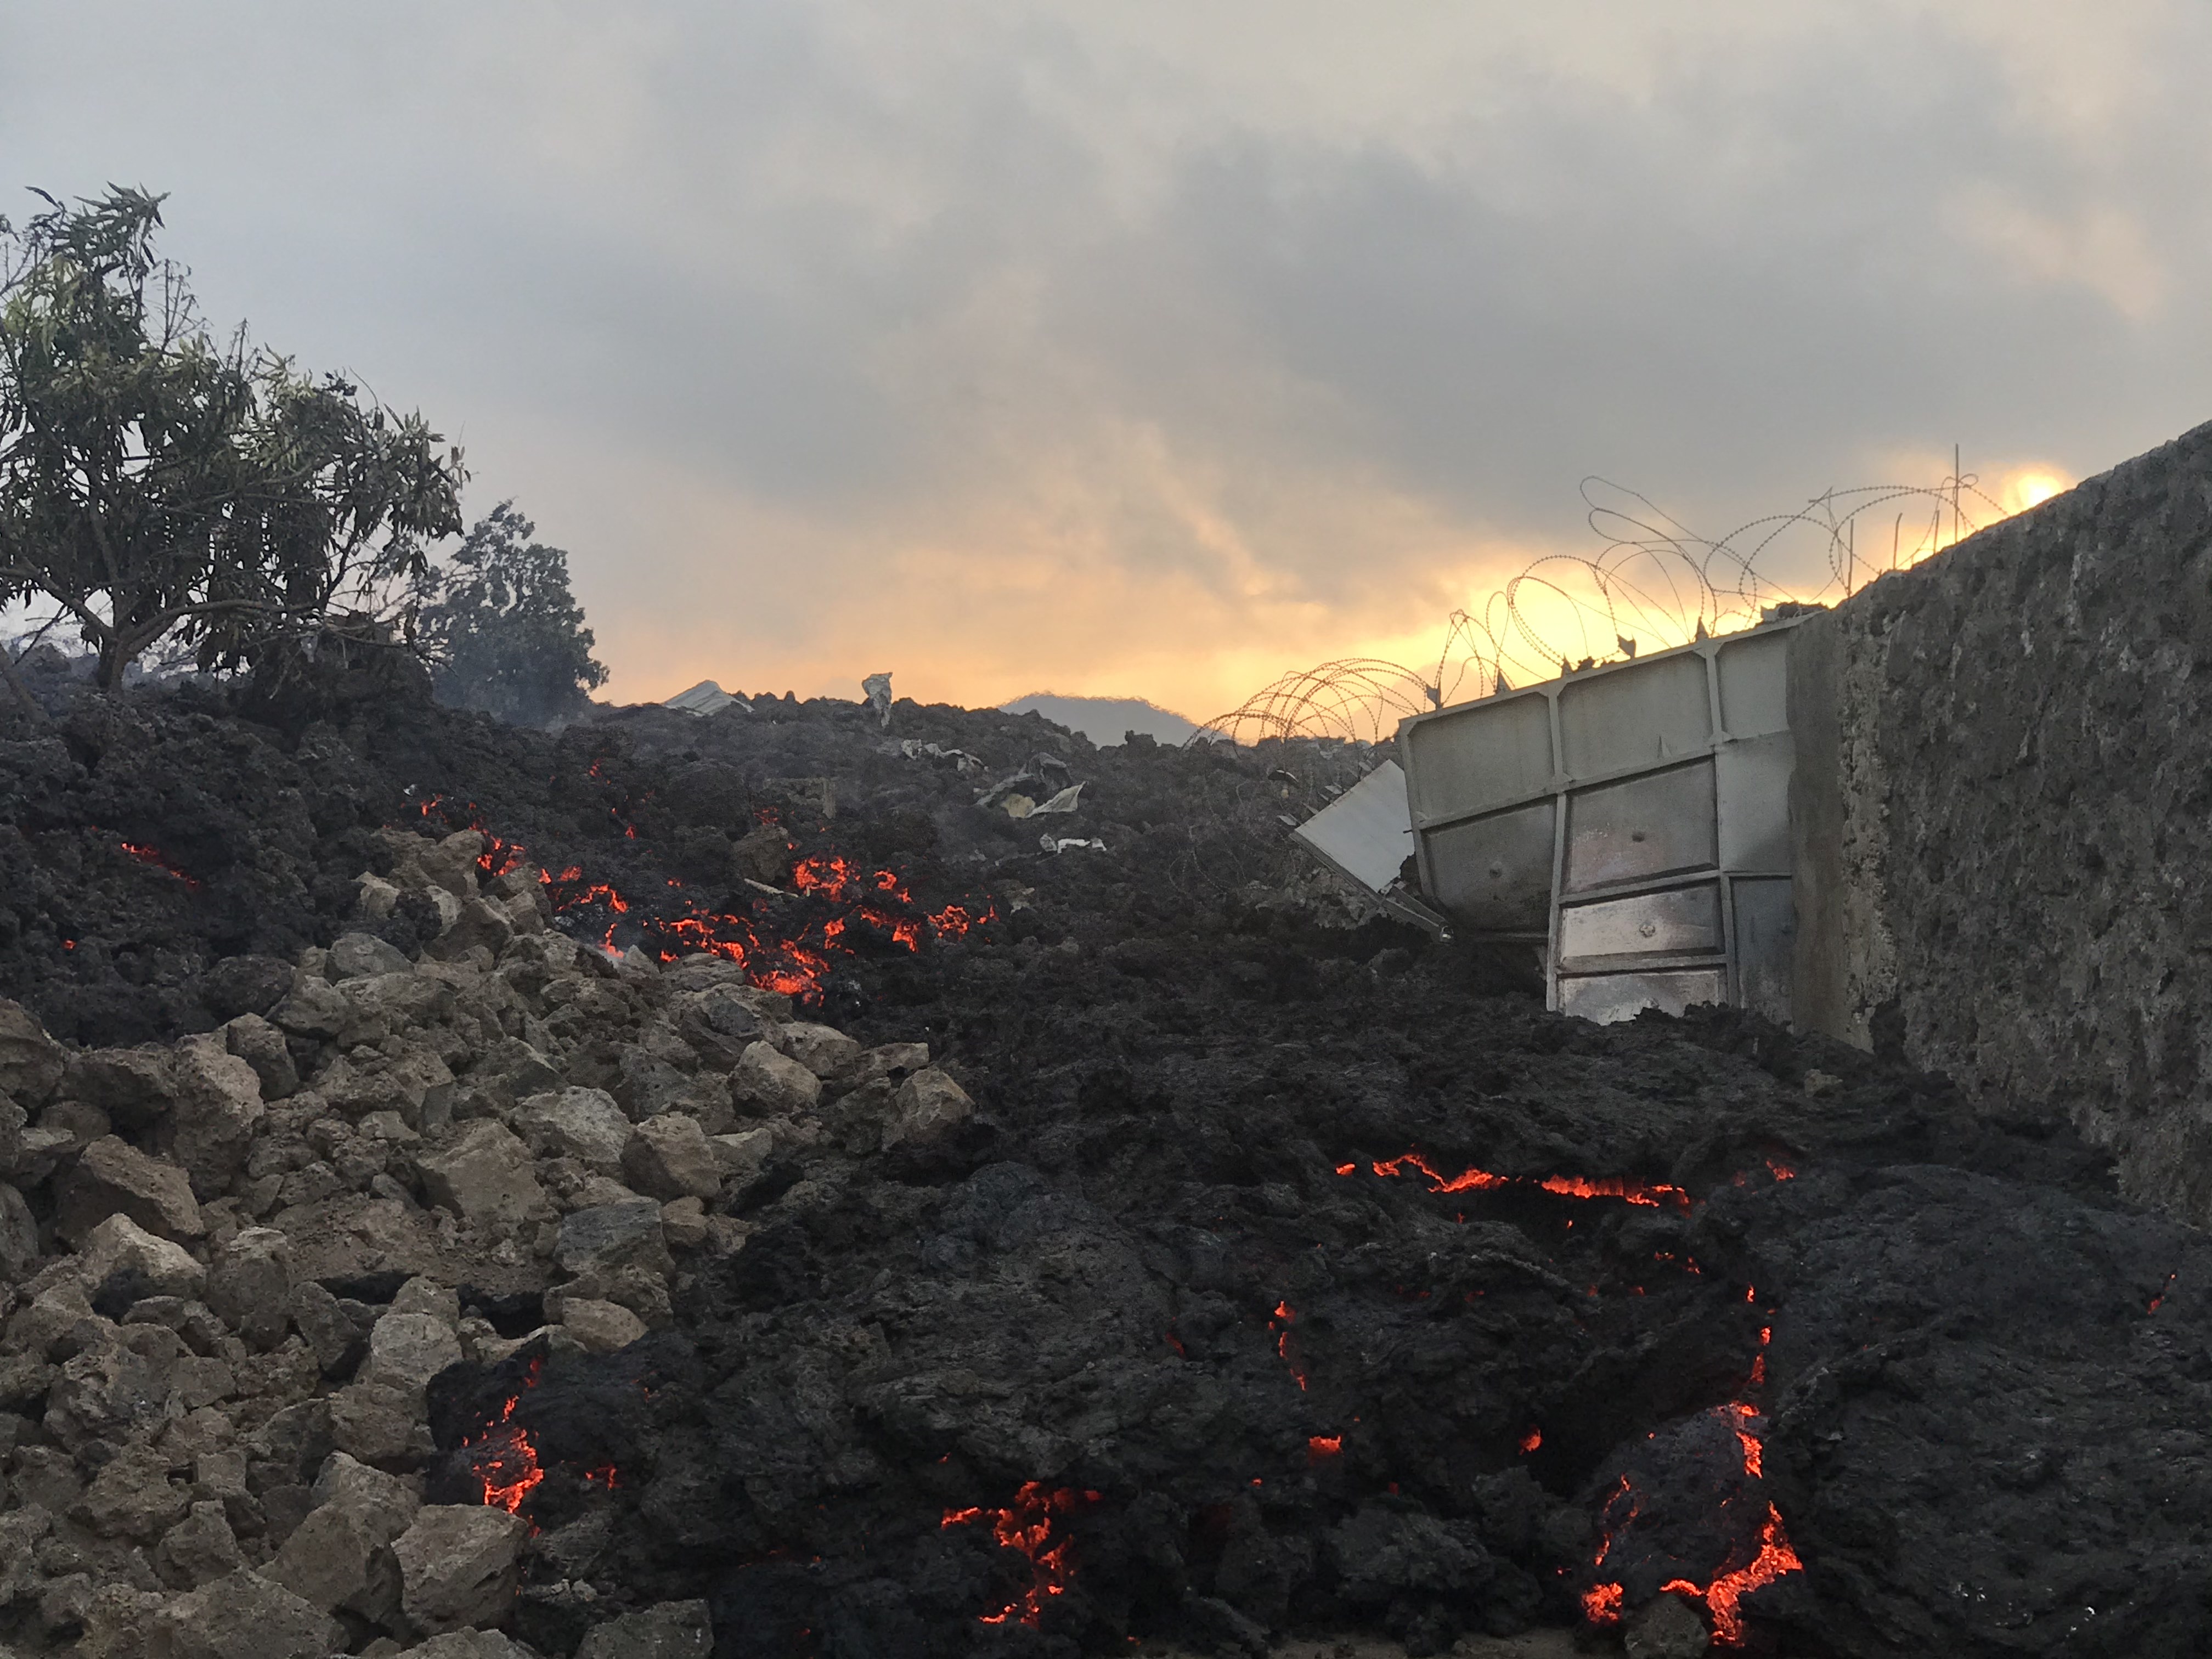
(1654, 584)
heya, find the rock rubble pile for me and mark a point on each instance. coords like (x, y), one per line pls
(235, 1263)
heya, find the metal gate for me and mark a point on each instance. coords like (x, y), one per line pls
(1632, 822)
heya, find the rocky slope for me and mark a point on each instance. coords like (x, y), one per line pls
(1013, 1234)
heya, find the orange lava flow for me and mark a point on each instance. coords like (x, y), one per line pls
(1026, 1525)
(1722, 1598)
(508, 1463)
(1321, 1447)
(1531, 1440)
(1466, 1181)
(508, 1467)
(1774, 1559)
(1289, 1315)
(1754, 1455)
(155, 857)
(778, 952)
(1650, 1193)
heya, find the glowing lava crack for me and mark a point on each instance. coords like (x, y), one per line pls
(1027, 1525)
(777, 954)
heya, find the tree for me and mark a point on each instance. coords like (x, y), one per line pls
(505, 634)
(154, 481)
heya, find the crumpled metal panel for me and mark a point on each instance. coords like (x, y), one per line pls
(1765, 945)
(1366, 832)
(1636, 715)
(1494, 874)
(1662, 787)
(1654, 825)
(1607, 998)
(1481, 756)
(1752, 779)
(1673, 921)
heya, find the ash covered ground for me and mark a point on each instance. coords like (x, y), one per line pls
(982, 1234)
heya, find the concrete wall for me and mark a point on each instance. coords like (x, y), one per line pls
(2003, 808)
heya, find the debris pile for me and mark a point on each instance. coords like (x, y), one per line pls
(237, 1263)
(444, 1256)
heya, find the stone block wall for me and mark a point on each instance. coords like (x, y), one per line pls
(2003, 817)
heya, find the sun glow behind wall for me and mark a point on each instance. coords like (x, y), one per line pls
(1155, 349)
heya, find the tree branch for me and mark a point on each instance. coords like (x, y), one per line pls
(8, 669)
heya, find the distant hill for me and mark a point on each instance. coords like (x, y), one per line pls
(1104, 720)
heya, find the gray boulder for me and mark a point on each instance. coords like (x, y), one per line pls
(484, 1177)
(929, 1104)
(774, 1083)
(668, 1630)
(601, 1327)
(358, 956)
(243, 1616)
(262, 1046)
(199, 1548)
(468, 1645)
(381, 1423)
(31, 1062)
(133, 1086)
(822, 1049)
(1667, 1629)
(113, 1178)
(341, 1555)
(119, 1244)
(458, 1566)
(406, 1350)
(315, 1009)
(584, 1124)
(250, 1285)
(19, 1235)
(479, 922)
(337, 1341)
(889, 1062)
(607, 1237)
(669, 1157)
(133, 1497)
(327, 1561)
(210, 1128)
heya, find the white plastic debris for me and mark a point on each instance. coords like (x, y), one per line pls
(878, 687)
(915, 749)
(705, 698)
(1067, 800)
(1367, 832)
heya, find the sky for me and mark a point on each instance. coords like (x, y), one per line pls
(1155, 349)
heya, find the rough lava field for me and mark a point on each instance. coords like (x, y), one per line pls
(727, 1185)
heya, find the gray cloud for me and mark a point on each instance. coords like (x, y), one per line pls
(1137, 349)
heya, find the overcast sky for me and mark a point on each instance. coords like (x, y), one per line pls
(1155, 349)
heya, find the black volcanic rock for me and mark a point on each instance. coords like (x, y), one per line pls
(1173, 1311)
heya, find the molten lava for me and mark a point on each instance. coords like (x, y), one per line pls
(1770, 1558)
(1775, 1558)
(776, 955)
(506, 1463)
(1027, 1525)
(1652, 1194)
(1289, 1315)
(505, 1458)
(155, 857)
